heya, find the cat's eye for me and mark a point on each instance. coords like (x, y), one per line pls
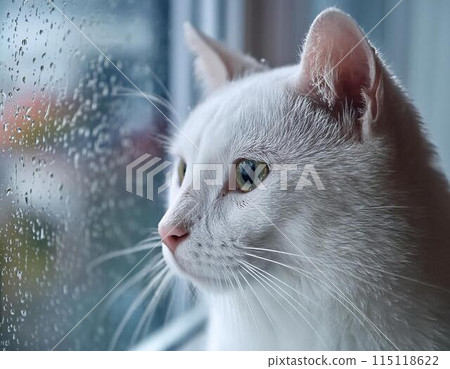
(249, 173)
(181, 171)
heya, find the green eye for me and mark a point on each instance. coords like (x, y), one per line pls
(181, 171)
(249, 174)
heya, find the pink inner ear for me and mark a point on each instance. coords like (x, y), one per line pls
(337, 61)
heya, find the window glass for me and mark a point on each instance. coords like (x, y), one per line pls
(70, 123)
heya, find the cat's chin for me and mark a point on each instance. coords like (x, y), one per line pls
(205, 283)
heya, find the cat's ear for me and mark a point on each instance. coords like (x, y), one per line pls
(339, 66)
(215, 64)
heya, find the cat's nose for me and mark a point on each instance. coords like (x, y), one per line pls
(172, 236)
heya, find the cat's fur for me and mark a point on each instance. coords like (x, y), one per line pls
(371, 269)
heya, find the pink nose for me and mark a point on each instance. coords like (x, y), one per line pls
(172, 236)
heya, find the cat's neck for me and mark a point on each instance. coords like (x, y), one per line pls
(318, 317)
(416, 168)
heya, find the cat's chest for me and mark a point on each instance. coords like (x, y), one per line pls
(277, 322)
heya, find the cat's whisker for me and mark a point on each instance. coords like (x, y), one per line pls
(258, 270)
(247, 302)
(229, 285)
(330, 292)
(355, 263)
(158, 99)
(383, 207)
(284, 283)
(361, 315)
(153, 98)
(128, 315)
(275, 251)
(220, 279)
(425, 284)
(304, 273)
(376, 286)
(338, 297)
(228, 279)
(147, 270)
(150, 310)
(257, 297)
(327, 290)
(142, 246)
(259, 279)
(307, 321)
(170, 279)
(237, 315)
(364, 316)
(136, 303)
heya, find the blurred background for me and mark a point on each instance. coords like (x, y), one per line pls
(70, 122)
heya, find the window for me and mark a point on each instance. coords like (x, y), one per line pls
(72, 116)
(70, 122)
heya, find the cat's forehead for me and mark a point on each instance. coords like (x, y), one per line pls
(230, 119)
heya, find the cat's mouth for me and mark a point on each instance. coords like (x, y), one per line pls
(210, 278)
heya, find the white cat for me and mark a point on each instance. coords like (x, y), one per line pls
(363, 264)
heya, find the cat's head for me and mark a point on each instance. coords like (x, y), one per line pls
(320, 117)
